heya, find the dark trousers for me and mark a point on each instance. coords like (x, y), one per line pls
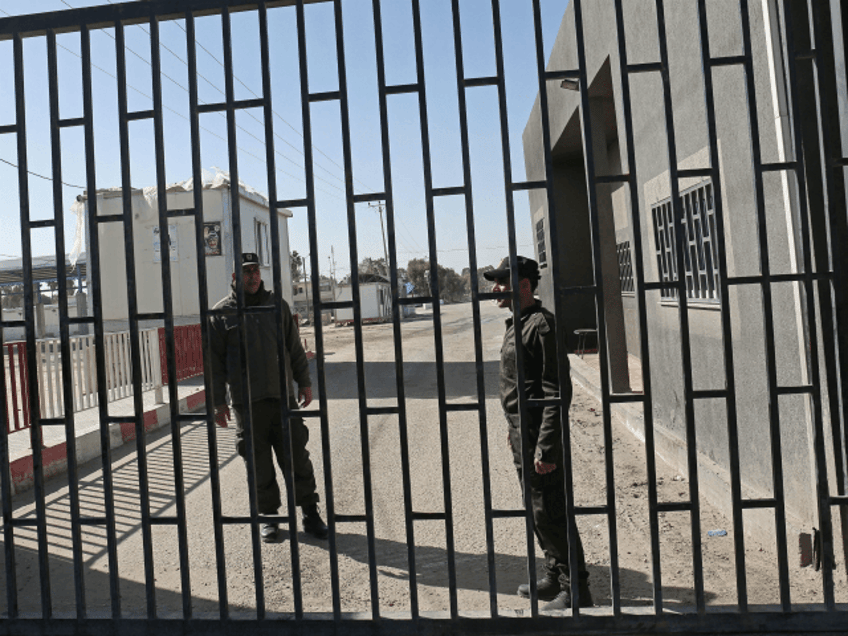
(547, 497)
(271, 439)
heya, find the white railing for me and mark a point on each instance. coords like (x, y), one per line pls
(83, 367)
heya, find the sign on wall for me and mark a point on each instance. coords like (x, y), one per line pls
(212, 239)
(172, 244)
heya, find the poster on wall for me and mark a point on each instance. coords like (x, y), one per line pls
(172, 244)
(212, 238)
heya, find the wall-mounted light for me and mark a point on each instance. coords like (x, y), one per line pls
(570, 84)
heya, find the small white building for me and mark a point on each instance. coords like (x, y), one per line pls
(180, 246)
(375, 297)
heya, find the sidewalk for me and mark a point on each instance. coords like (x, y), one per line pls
(54, 454)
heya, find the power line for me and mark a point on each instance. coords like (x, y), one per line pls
(41, 176)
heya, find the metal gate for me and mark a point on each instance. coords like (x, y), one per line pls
(680, 254)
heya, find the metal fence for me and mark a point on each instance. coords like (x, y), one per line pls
(816, 165)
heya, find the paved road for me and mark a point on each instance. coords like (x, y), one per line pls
(345, 453)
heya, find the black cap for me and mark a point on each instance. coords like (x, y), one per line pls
(249, 258)
(527, 268)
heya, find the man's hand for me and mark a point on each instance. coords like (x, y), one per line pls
(304, 396)
(543, 468)
(222, 415)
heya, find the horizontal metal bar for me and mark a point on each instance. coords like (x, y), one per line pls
(806, 55)
(338, 304)
(838, 500)
(470, 82)
(141, 114)
(43, 223)
(190, 418)
(400, 89)
(591, 510)
(648, 67)
(324, 97)
(93, 521)
(518, 186)
(22, 523)
(780, 165)
(709, 394)
(428, 516)
(81, 320)
(410, 300)
(235, 519)
(470, 406)
(612, 178)
(841, 162)
(70, 123)
(119, 419)
(728, 60)
(559, 75)
(795, 390)
(5, 130)
(309, 414)
(494, 295)
(447, 192)
(292, 203)
(625, 398)
(366, 198)
(694, 173)
(540, 404)
(151, 316)
(573, 290)
(658, 285)
(777, 278)
(109, 218)
(769, 502)
(13, 324)
(241, 104)
(508, 514)
(51, 421)
(104, 17)
(164, 521)
(674, 506)
(382, 410)
(179, 213)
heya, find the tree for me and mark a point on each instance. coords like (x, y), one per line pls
(452, 287)
(370, 265)
(295, 261)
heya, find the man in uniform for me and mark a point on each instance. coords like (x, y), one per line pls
(263, 375)
(541, 381)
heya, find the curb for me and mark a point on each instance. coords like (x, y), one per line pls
(54, 459)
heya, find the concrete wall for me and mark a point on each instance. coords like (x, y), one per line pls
(736, 183)
(185, 293)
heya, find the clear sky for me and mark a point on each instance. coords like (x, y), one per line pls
(403, 120)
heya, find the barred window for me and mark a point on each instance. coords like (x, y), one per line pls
(625, 267)
(701, 256)
(540, 242)
(262, 247)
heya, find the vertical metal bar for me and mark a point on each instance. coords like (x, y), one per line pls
(806, 135)
(437, 316)
(357, 312)
(203, 299)
(276, 261)
(132, 305)
(396, 311)
(475, 301)
(100, 349)
(589, 160)
(724, 296)
(644, 345)
(235, 205)
(64, 332)
(29, 317)
(683, 314)
(12, 348)
(168, 308)
(9, 559)
(306, 117)
(833, 300)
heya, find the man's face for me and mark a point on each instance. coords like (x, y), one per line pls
(251, 278)
(503, 285)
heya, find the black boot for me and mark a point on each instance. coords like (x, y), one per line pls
(268, 532)
(546, 588)
(562, 601)
(312, 522)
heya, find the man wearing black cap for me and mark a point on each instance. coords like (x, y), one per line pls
(269, 436)
(541, 380)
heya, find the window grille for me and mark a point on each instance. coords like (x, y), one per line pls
(540, 242)
(625, 267)
(701, 255)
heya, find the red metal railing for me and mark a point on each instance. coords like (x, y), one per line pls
(17, 386)
(188, 349)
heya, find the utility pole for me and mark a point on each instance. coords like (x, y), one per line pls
(379, 205)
